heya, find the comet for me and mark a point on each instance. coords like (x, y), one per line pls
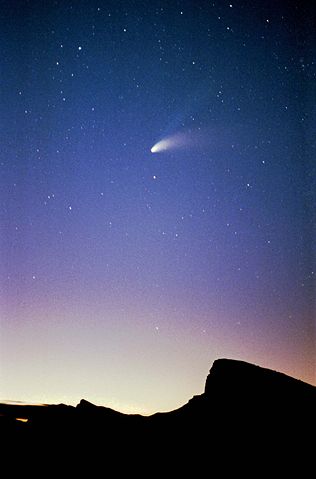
(176, 141)
(162, 145)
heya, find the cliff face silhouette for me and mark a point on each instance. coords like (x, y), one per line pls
(245, 409)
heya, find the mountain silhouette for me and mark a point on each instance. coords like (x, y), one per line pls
(246, 411)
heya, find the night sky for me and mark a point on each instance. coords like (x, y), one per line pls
(128, 265)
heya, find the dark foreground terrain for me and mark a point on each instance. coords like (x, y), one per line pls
(246, 416)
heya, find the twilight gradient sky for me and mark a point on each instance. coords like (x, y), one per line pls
(126, 273)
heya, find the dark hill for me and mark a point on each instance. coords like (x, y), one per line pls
(245, 411)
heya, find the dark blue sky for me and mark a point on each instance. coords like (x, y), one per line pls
(121, 266)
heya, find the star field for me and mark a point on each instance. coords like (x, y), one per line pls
(126, 273)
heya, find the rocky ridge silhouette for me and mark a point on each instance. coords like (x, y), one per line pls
(245, 409)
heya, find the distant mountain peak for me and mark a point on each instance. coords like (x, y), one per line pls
(85, 404)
